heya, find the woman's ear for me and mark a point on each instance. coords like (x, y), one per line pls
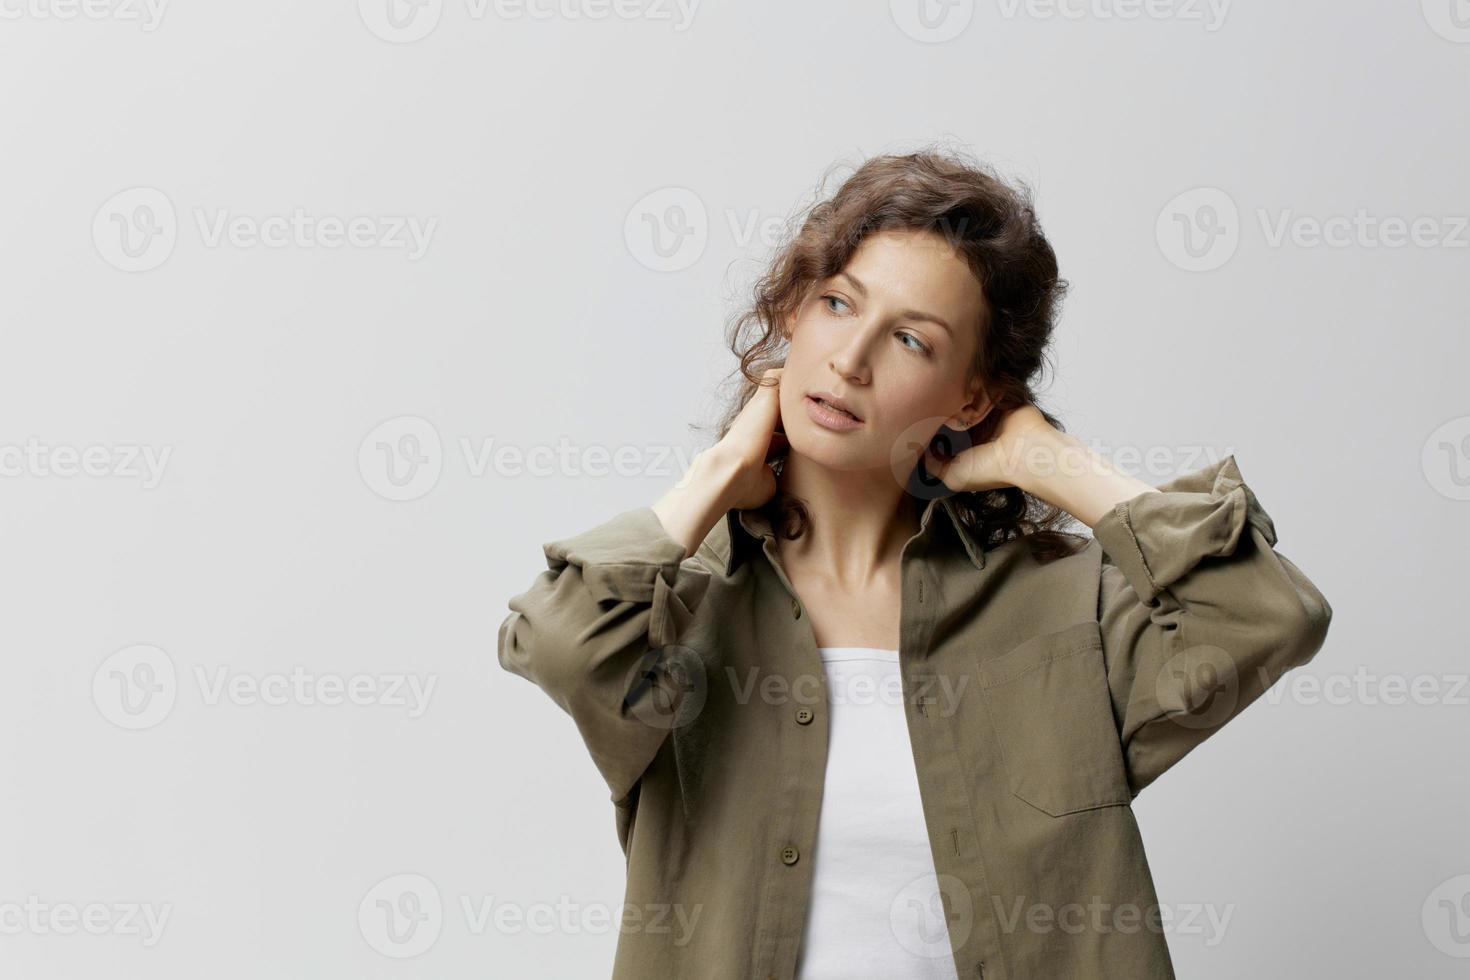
(973, 412)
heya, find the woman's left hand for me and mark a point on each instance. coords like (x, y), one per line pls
(1006, 460)
(1028, 452)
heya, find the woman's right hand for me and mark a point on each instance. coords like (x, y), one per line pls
(753, 440)
(733, 473)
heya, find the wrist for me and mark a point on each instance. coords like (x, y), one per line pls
(1048, 457)
(714, 474)
(1064, 472)
(694, 505)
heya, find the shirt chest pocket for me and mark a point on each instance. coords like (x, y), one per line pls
(1052, 718)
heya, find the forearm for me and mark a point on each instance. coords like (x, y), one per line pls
(562, 635)
(693, 506)
(1200, 614)
(1059, 469)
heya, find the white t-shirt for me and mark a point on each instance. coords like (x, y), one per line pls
(875, 909)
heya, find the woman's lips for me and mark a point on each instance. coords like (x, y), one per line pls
(829, 418)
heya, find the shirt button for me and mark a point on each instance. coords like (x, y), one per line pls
(789, 854)
(795, 608)
(804, 716)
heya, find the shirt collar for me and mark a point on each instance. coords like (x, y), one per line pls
(746, 529)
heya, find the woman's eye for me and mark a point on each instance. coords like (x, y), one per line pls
(919, 345)
(915, 344)
(837, 299)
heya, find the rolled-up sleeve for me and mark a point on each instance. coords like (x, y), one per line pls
(1199, 613)
(591, 629)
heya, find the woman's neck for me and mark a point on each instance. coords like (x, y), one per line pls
(859, 520)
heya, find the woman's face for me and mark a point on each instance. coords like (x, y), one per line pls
(893, 336)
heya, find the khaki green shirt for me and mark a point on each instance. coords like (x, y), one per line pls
(1041, 698)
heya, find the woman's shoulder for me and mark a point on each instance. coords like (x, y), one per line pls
(1037, 582)
(713, 553)
(1057, 553)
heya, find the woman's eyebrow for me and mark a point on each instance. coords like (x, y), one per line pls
(910, 314)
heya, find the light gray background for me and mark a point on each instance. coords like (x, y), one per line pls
(1331, 830)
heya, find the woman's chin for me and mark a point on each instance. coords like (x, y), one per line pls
(833, 452)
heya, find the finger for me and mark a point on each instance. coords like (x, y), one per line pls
(935, 466)
(765, 404)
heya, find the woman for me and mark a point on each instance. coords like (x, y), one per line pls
(883, 513)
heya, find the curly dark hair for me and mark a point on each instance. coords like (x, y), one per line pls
(993, 225)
